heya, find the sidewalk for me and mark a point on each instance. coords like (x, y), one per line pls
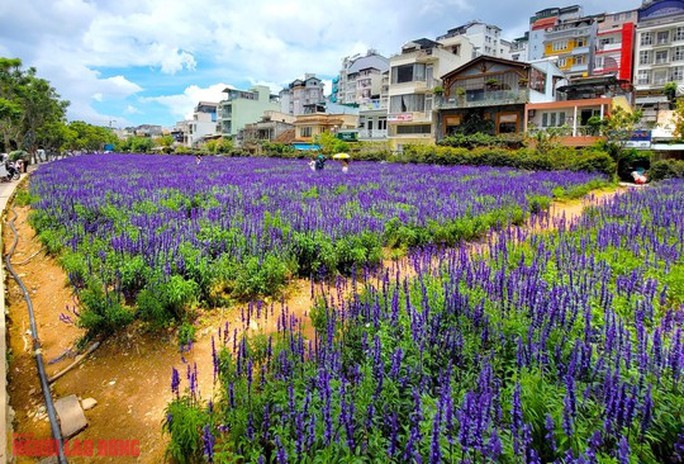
(6, 191)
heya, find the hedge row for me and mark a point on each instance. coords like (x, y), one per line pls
(667, 169)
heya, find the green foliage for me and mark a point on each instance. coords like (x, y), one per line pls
(186, 334)
(480, 139)
(164, 302)
(667, 169)
(184, 422)
(86, 137)
(101, 310)
(265, 276)
(330, 144)
(632, 160)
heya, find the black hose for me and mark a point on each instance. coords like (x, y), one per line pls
(45, 386)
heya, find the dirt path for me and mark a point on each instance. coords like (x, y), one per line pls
(129, 375)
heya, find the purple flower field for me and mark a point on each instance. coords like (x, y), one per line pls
(243, 227)
(565, 348)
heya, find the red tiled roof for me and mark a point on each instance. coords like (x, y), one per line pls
(544, 23)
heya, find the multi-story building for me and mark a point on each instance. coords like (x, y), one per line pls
(414, 75)
(519, 48)
(615, 44)
(572, 42)
(192, 132)
(373, 115)
(241, 107)
(492, 93)
(659, 57)
(360, 78)
(485, 38)
(300, 93)
(325, 117)
(544, 20)
(273, 126)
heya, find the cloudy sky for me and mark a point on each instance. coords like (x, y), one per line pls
(129, 62)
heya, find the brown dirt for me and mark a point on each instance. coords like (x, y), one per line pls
(129, 375)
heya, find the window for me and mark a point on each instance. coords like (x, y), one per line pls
(581, 42)
(606, 41)
(661, 57)
(663, 37)
(599, 62)
(660, 77)
(553, 119)
(382, 124)
(417, 129)
(678, 33)
(678, 74)
(644, 77)
(508, 123)
(560, 45)
(408, 73)
(562, 63)
(580, 60)
(306, 131)
(645, 57)
(407, 104)
(647, 38)
(678, 54)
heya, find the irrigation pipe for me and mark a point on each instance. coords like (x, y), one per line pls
(45, 386)
(78, 359)
(21, 263)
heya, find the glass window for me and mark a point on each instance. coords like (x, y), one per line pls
(663, 37)
(644, 77)
(644, 57)
(661, 57)
(679, 33)
(407, 104)
(401, 74)
(419, 129)
(647, 38)
(678, 54)
(678, 73)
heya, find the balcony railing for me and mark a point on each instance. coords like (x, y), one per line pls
(372, 134)
(480, 98)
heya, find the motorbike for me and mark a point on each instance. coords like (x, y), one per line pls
(10, 172)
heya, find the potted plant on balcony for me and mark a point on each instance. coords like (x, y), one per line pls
(460, 94)
(492, 84)
(438, 90)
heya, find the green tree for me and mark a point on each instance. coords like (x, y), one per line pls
(165, 142)
(31, 110)
(86, 137)
(618, 127)
(670, 91)
(330, 144)
(678, 118)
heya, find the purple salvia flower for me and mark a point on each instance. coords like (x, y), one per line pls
(209, 441)
(175, 382)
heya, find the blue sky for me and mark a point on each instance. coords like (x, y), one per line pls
(130, 62)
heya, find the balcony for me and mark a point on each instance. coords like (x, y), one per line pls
(580, 51)
(372, 134)
(482, 98)
(610, 47)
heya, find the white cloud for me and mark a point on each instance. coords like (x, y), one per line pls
(173, 44)
(130, 109)
(182, 105)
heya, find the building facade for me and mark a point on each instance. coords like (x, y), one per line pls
(489, 94)
(414, 75)
(615, 45)
(300, 93)
(485, 38)
(360, 79)
(242, 107)
(572, 43)
(544, 20)
(659, 54)
(373, 115)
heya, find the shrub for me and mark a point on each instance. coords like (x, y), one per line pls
(632, 160)
(667, 169)
(184, 422)
(101, 311)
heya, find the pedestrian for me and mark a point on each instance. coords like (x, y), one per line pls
(198, 159)
(345, 166)
(320, 162)
(312, 164)
(20, 165)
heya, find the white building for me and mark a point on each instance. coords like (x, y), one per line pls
(360, 79)
(659, 54)
(204, 122)
(414, 75)
(300, 93)
(485, 38)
